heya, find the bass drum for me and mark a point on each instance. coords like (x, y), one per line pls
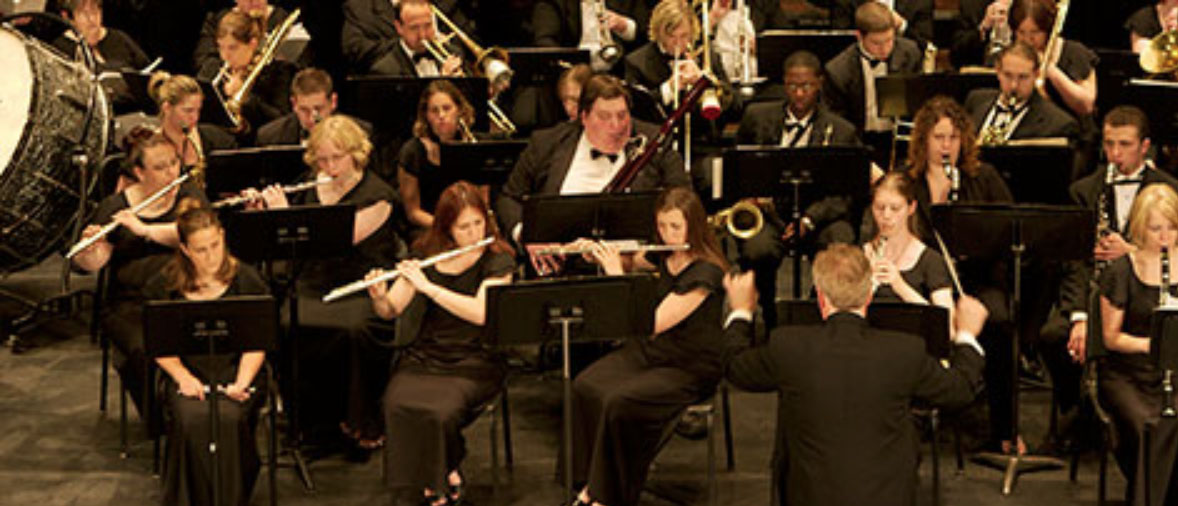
(43, 103)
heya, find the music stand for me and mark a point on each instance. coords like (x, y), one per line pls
(542, 66)
(384, 101)
(564, 218)
(900, 96)
(230, 171)
(136, 83)
(1116, 68)
(209, 327)
(762, 171)
(774, 46)
(483, 162)
(929, 322)
(1016, 231)
(1156, 98)
(213, 106)
(581, 309)
(296, 233)
(1034, 174)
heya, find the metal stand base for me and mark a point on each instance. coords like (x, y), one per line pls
(65, 305)
(1014, 465)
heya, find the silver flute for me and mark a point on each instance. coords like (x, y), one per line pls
(288, 189)
(363, 284)
(621, 246)
(110, 227)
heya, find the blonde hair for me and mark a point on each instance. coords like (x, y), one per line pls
(1155, 197)
(669, 14)
(345, 134)
(843, 275)
(165, 88)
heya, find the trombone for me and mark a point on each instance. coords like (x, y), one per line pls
(490, 63)
(266, 53)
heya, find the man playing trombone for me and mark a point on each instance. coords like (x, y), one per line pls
(416, 27)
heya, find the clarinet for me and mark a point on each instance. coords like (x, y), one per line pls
(954, 176)
(1163, 301)
(1103, 219)
(1164, 290)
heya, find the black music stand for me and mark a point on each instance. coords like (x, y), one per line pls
(296, 233)
(900, 96)
(581, 309)
(209, 327)
(1156, 98)
(564, 218)
(542, 66)
(385, 101)
(1017, 232)
(136, 83)
(1034, 174)
(1116, 68)
(484, 162)
(213, 107)
(774, 46)
(830, 171)
(230, 171)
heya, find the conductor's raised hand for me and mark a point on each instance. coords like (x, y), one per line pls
(971, 315)
(742, 291)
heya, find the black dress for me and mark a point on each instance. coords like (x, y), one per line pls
(133, 262)
(415, 161)
(1144, 22)
(348, 358)
(1130, 385)
(623, 403)
(928, 275)
(188, 468)
(439, 382)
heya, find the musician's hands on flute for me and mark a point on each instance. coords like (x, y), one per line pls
(1111, 247)
(543, 264)
(236, 391)
(411, 271)
(90, 231)
(604, 254)
(131, 222)
(1078, 341)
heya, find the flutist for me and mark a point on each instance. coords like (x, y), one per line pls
(137, 250)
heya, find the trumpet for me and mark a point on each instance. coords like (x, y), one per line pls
(288, 189)
(136, 209)
(624, 246)
(610, 51)
(263, 58)
(744, 214)
(357, 286)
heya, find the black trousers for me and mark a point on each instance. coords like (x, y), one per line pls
(622, 405)
(123, 326)
(1132, 397)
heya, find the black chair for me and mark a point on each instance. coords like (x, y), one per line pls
(707, 409)
(1094, 359)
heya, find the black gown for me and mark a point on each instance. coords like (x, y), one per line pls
(188, 468)
(928, 275)
(623, 403)
(1130, 385)
(349, 358)
(439, 382)
(133, 262)
(1144, 22)
(430, 183)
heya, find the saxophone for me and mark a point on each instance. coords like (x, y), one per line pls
(997, 132)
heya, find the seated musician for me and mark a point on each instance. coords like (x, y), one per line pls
(1130, 383)
(981, 29)
(798, 120)
(443, 115)
(850, 76)
(339, 149)
(665, 65)
(625, 401)
(445, 372)
(206, 57)
(1071, 71)
(1149, 21)
(569, 86)
(136, 250)
(312, 98)
(846, 388)
(904, 269)
(583, 156)
(374, 29)
(913, 18)
(112, 48)
(203, 269)
(415, 24)
(179, 99)
(574, 23)
(1129, 170)
(1031, 116)
(238, 40)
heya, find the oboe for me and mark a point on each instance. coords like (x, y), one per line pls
(363, 284)
(954, 175)
(288, 189)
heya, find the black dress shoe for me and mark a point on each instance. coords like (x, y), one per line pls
(692, 426)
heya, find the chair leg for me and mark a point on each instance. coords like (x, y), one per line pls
(508, 454)
(494, 437)
(1101, 481)
(934, 432)
(273, 443)
(713, 493)
(958, 449)
(103, 380)
(122, 421)
(727, 419)
(155, 456)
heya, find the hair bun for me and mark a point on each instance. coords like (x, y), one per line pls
(188, 204)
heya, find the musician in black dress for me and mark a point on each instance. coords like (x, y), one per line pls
(206, 58)
(112, 48)
(1130, 384)
(203, 269)
(136, 251)
(339, 149)
(443, 115)
(444, 372)
(179, 99)
(1149, 21)
(943, 132)
(623, 402)
(904, 268)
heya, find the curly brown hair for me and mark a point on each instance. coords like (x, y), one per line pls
(926, 118)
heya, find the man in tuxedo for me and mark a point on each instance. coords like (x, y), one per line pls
(850, 76)
(578, 157)
(673, 27)
(798, 120)
(1066, 333)
(1030, 116)
(385, 37)
(913, 18)
(311, 100)
(574, 23)
(844, 428)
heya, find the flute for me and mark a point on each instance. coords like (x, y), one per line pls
(109, 227)
(363, 284)
(621, 246)
(288, 189)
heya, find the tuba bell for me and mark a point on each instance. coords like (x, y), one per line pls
(1161, 57)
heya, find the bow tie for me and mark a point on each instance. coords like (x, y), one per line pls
(594, 153)
(1006, 109)
(871, 60)
(1119, 180)
(795, 125)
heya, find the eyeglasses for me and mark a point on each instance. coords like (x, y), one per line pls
(800, 86)
(330, 159)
